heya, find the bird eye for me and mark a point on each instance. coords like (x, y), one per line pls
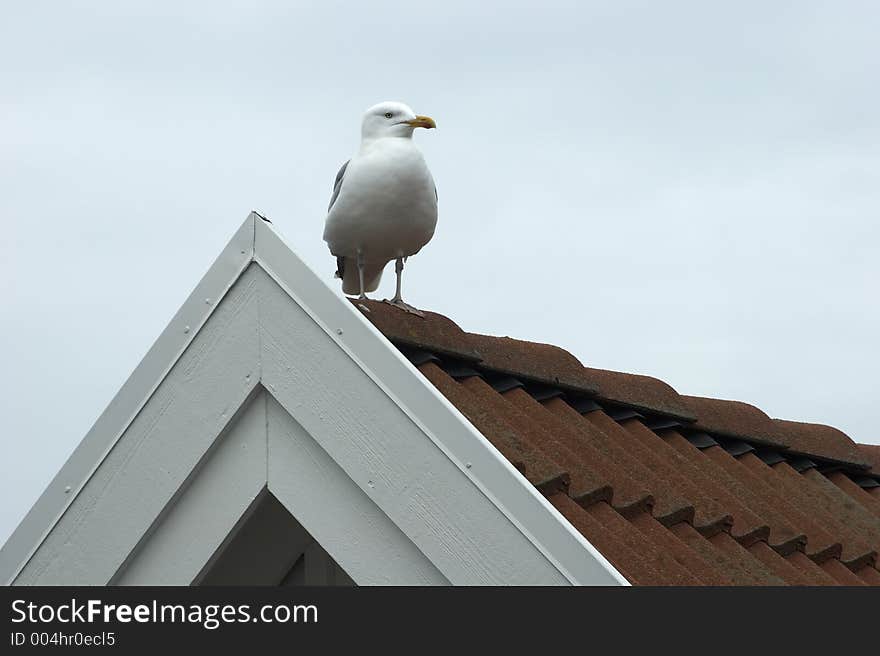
(388, 114)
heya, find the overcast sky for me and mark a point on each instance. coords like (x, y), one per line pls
(689, 190)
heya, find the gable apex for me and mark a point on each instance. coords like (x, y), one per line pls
(261, 324)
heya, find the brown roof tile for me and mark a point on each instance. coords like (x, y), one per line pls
(587, 485)
(669, 483)
(821, 545)
(780, 566)
(663, 501)
(542, 472)
(814, 572)
(542, 363)
(840, 573)
(580, 454)
(859, 521)
(668, 571)
(857, 549)
(821, 441)
(683, 555)
(747, 496)
(871, 455)
(735, 419)
(745, 525)
(614, 544)
(858, 493)
(669, 507)
(869, 575)
(639, 392)
(742, 558)
(433, 332)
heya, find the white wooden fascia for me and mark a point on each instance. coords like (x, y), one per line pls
(128, 401)
(476, 460)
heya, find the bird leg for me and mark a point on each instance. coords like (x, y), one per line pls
(360, 266)
(398, 269)
(397, 301)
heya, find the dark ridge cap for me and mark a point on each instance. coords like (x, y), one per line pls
(822, 441)
(583, 405)
(700, 440)
(659, 423)
(433, 332)
(640, 392)
(735, 419)
(801, 464)
(418, 356)
(504, 383)
(621, 413)
(770, 458)
(867, 482)
(738, 448)
(458, 369)
(871, 454)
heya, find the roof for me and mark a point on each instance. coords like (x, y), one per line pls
(268, 387)
(672, 489)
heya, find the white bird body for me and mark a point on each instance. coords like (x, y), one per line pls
(385, 203)
(371, 215)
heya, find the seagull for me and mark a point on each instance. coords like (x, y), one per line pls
(384, 202)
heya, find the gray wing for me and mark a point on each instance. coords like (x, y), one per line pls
(337, 185)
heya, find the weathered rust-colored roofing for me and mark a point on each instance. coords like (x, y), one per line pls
(735, 419)
(639, 392)
(820, 441)
(871, 454)
(434, 332)
(672, 489)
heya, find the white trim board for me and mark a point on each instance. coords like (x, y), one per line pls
(260, 317)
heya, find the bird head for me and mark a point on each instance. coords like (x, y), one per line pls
(392, 119)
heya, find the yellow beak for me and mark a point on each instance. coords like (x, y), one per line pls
(422, 122)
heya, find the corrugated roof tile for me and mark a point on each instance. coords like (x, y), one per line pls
(818, 440)
(587, 486)
(869, 575)
(541, 471)
(684, 555)
(628, 495)
(669, 506)
(734, 419)
(814, 572)
(721, 466)
(670, 482)
(858, 493)
(857, 550)
(542, 363)
(821, 545)
(667, 570)
(640, 392)
(871, 454)
(653, 479)
(842, 574)
(746, 526)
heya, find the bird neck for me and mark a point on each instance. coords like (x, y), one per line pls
(369, 143)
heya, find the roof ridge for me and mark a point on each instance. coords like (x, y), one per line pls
(550, 365)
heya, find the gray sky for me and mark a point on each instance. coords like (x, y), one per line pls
(688, 190)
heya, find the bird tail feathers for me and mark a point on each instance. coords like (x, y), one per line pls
(351, 284)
